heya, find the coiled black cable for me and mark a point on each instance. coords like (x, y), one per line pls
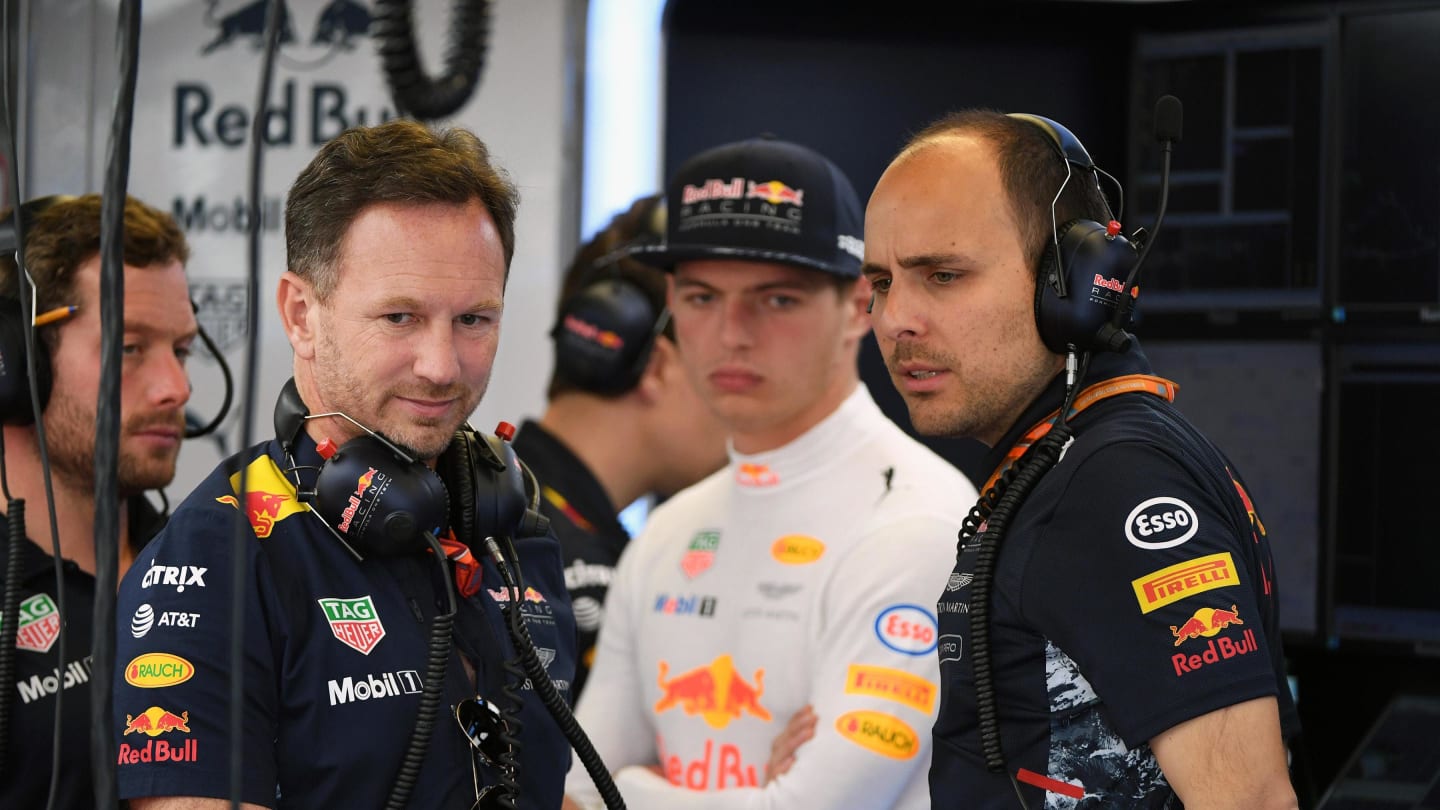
(996, 507)
(436, 660)
(511, 704)
(540, 679)
(10, 611)
(415, 93)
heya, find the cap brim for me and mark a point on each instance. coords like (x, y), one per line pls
(665, 257)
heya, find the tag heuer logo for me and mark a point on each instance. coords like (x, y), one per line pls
(38, 624)
(701, 553)
(354, 622)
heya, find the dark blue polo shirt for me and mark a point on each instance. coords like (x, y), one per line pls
(25, 780)
(334, 661)
(1133, 591)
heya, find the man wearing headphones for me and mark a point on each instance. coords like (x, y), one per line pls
(376, 662)
(616, 366)
(1113, 606)
(801, 574)
(62, 258)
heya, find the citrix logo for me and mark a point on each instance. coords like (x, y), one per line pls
(179, 576)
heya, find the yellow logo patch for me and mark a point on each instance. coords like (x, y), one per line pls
(1183, 580)
(156, 670)
(882, 733)
(797, 549)
(891, 684)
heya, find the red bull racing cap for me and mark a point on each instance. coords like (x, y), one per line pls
(762, 200)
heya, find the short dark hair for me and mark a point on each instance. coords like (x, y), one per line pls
(1031, 171)
(602, 257)
(66, 233)
(400, 161)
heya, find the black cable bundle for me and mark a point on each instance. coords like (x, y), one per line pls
(9, 615)
(415, 93)
(437, 657)
(540, 679)
(997, 507)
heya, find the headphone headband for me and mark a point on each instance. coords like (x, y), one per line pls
(1066, 145)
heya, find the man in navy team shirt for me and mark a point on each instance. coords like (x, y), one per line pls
(1131, 622)
(399, 241)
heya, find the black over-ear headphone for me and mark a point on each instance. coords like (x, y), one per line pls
(604, 335)
(605, 331)
(1083, 271)
(379, 498)
(15, 406)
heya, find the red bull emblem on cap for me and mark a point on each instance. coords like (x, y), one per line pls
(38, 624)
(775, 192)
(716, 692)
(354, 622)
(701, 554)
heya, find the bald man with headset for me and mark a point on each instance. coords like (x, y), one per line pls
(1113, 606)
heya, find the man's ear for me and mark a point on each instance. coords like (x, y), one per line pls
(859, 314)
(295, 298)
(660, 371)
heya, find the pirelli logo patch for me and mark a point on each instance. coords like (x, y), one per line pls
(891, 684)
(1183, 580)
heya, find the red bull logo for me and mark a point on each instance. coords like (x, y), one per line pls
(1182, 580)
(720, 766)
(756, 475)
(1255, 524)
(155, 721)
(589, 331)
(348, 513)
(37, 624)
(716, 692)
(1216, 650)
(1206, 622)
(712, 189)
(775, 192)
(269, 497)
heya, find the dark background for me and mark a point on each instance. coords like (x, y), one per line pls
(1294, 293)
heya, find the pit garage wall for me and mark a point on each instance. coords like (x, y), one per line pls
(199, 73)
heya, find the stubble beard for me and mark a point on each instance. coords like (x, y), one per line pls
(425, 438)
(70, 441)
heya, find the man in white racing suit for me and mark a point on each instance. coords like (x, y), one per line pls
(798, 583)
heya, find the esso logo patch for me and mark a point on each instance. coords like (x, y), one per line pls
(1162, 522)
(908, 629)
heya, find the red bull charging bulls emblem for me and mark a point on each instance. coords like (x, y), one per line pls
(269, 498)
(153, 722)
(716, 692)
(1207, 623)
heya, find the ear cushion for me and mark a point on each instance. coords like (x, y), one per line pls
(378, 501)
(1092, 266)
(15, 408)
(603, 336)
(457, 469)
(1048, 280)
